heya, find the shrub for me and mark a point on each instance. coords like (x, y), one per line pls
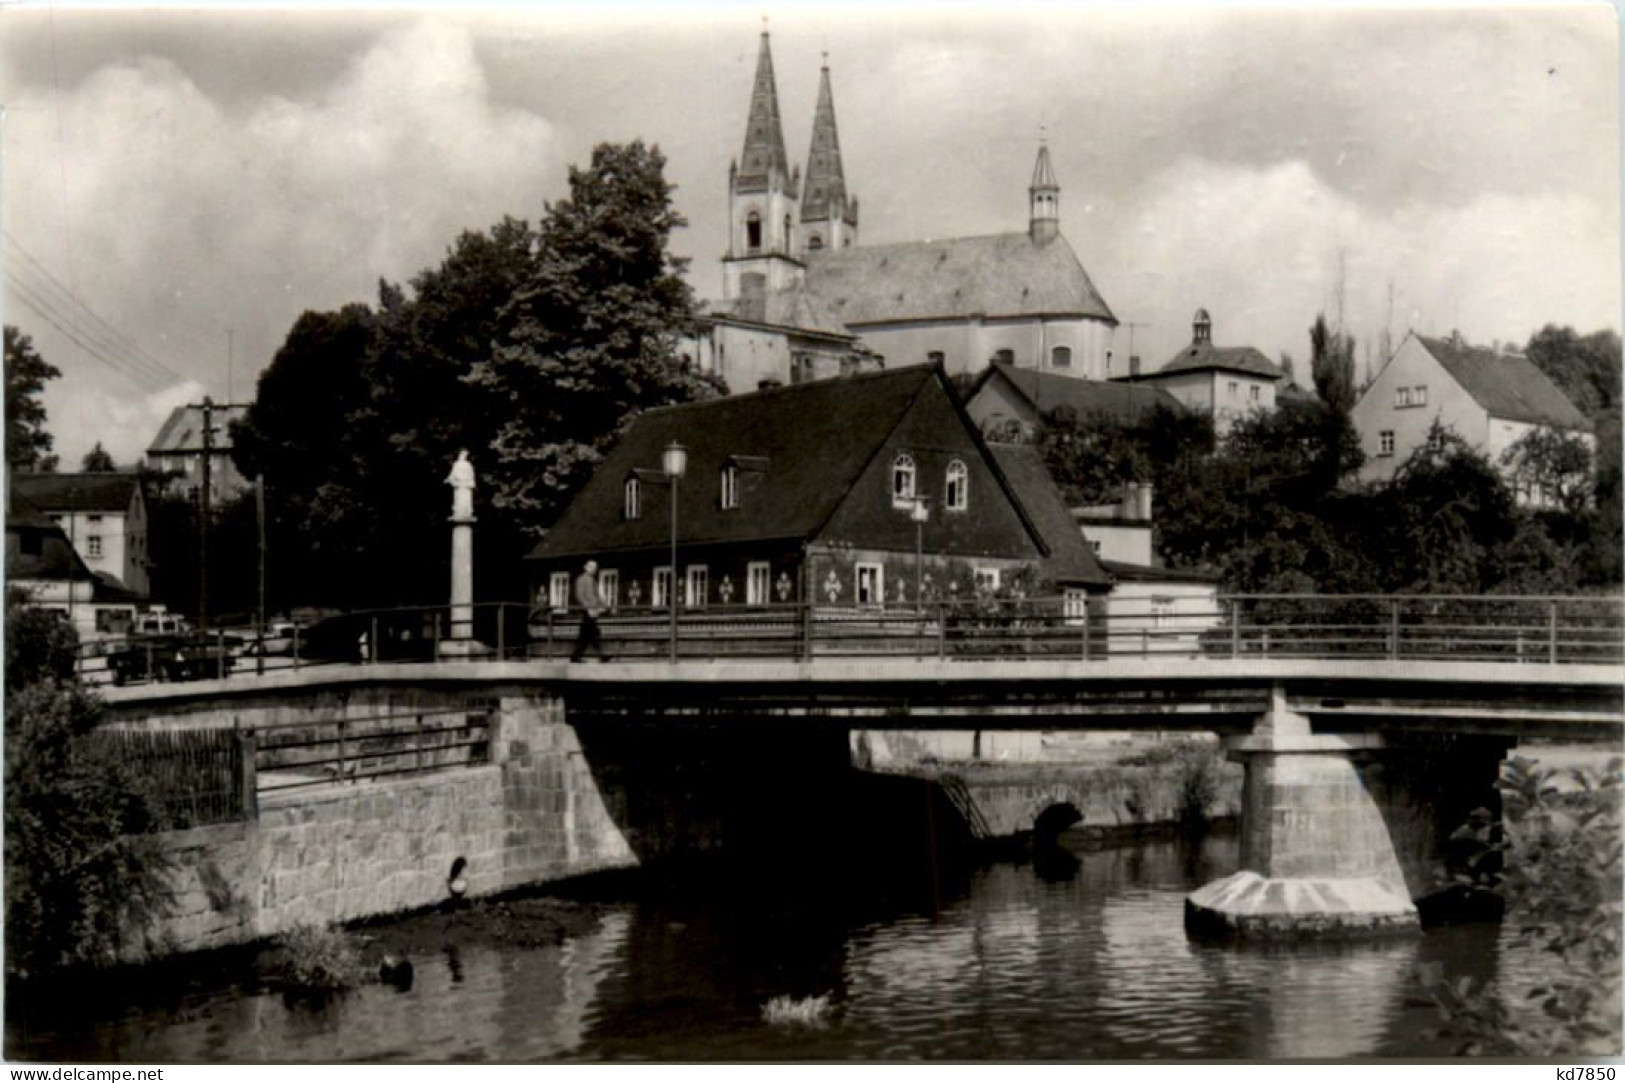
(1562, 885)
(319, 959)
(794, 1011)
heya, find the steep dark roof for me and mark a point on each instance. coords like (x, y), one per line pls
(1507, 385)
(109, 492)
(23, 512)
(1071, 561)
(816, 438)
(1006, 274)
(56, 557)
(1046, 391)
(1204, 355)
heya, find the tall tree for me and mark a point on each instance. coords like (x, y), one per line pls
(28, 444)
(590, 339)
(97, 460)
(1331, 365)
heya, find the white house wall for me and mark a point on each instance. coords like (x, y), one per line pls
(1160, 618)
(1447, 402)
(969, 344)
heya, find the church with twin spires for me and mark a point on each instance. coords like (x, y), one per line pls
(803, 299)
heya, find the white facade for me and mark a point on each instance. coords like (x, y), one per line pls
(1066, 345)
(1161, 617)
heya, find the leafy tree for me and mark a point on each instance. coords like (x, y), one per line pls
(28, 444)
(590, 339)
(1331, 365)
(1552, 464)
(1586, 368)
(97, 460)
(85, 878)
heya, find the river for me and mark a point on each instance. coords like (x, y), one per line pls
(1080, 956)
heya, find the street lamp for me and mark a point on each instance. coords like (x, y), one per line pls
(673, 463)
(920, 513)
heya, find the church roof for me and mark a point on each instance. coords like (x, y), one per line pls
(1199, 356)
(1506, 385)
(1001, 275)
(824, 196)
(763, 155)
(793, 308)
(183, 430)
(1046, 391)
(1043, 172)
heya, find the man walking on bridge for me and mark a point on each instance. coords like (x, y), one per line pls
(591, 605)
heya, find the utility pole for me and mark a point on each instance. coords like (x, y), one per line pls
(203, 518)
(259, 519)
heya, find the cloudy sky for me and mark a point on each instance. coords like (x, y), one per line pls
(196, 179)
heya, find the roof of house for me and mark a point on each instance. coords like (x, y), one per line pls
(1507, 385)
(817, 438)
(104, 492)
(183, 430)
(1145, 573)
(794, 307)
(1006, 274)
(1200, 356)
(1070, 560)
(1046, 391)
(58, 561)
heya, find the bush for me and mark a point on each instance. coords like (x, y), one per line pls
(319, 959)
(793, 1011)
(1562, 885)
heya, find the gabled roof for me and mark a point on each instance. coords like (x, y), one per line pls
(183, 430)
(817, 439)
(1070, 560)
(1199, 356)
(1046, 391)
(101, 492)
(56, 558)
(1507, 385)
(793, 308)
(1005, 274)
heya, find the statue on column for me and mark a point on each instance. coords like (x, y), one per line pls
(461, 480)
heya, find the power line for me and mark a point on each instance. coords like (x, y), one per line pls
(122, 340)
(75, 334)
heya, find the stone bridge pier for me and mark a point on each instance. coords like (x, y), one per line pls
(1342, 832)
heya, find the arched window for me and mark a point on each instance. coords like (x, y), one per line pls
(753, 231)
(788, 233)
(730, 486)
(814, 243)
(902, 479)
(957, 497)
(1060, 357)
(632, 507)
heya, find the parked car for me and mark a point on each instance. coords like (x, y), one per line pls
(171, 658)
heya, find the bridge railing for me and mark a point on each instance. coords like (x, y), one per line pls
(1513, 629)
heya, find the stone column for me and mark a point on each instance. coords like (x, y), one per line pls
(1316, 856)
(460, 641)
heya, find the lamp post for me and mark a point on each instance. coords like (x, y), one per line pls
(919, 513)
(673, 463)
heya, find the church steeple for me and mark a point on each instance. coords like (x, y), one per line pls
(829, 219)
(761, 195)
(1043, 200)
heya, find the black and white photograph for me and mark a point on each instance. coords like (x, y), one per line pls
(944, 533)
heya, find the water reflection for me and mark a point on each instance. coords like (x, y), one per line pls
(1076, 954)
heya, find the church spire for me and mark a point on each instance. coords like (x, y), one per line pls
(1043, 199)
(828, 218)
(764, 157)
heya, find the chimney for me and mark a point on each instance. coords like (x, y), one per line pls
(1455, 337)
(1130, 506)
(1134, 365)
(1145, 503)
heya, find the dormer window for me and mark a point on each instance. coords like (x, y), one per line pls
(632, 507)
(902, 480)
(730, 486)
(957, 497)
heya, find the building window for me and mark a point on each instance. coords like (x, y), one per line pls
(1421, 393)
(788, 228)
(871, 584)
(609, 587)
(815, 243)
(1060, 357)
(1094, 546)
(93, 518)
(1235, 388)
(660, 596)
(1252, 392)
(958, 495)
(558, 591)
(935, 357)
(633, 506)
(1075, 606)
(758, 576)
(987, 580)
(1004, 357)
(753, 231)
(902, 480)
(1411, 396)
(93, 545)
(730, 486)
(55, 518)
(1162, 611)
(1385, 442)
(697, 586)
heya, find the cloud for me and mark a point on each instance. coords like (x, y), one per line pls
(124, 424)
(179, 215)
(1261, 247)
